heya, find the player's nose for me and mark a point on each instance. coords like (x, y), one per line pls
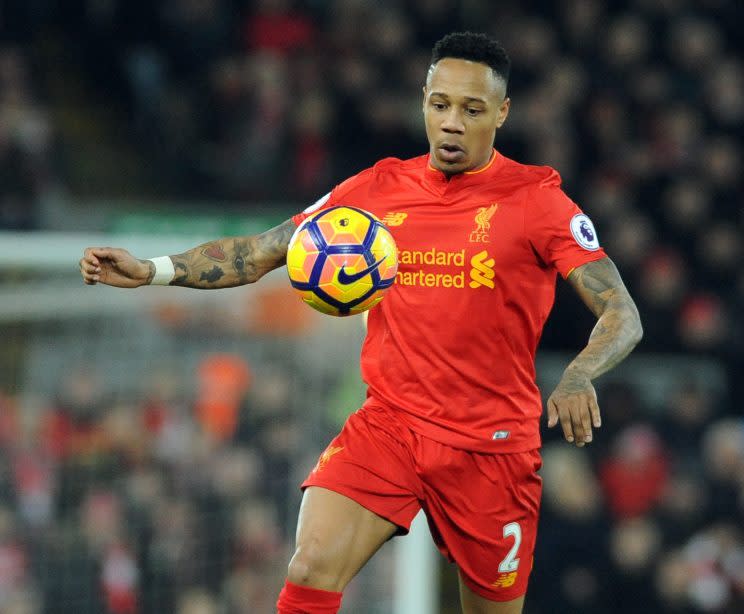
(452, 122)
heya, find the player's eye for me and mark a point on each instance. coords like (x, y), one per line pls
(439, 106)
(473, 112)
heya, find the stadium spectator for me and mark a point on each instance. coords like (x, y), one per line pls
(25, 144)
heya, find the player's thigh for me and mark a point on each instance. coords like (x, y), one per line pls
(336, 536)
(475, 604)
(483, 510)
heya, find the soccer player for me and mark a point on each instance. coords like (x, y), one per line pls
(451, 419)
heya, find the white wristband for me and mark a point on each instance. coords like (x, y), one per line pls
(164, 271)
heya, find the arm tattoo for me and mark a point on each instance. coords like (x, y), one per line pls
(214, 251)
(618, 327)
(151, 269)
(213, 275)
(242, 260)
(181, 272)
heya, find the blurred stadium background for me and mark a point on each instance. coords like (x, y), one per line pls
(152, 440)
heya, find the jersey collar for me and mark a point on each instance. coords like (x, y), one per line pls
(434, 174)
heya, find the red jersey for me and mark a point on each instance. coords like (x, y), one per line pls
(451, 347)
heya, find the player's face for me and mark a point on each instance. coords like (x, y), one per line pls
(464, 104)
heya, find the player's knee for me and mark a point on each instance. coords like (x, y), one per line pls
(311, 566)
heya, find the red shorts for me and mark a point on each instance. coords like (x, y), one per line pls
(482, 508)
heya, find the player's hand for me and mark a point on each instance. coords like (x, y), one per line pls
(574, 404)
(114, 267)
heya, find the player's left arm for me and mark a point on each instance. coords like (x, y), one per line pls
(617, 332)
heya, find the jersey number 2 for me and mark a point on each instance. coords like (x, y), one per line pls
(511, 562)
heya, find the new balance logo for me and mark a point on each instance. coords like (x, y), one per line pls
(505, 580)
(482, 273)
(394, 219)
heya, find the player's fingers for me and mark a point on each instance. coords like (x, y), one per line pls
(90, 257)
(88, 267)
(108, 253)
(565, 417)
(594, 409)
(586, 421)
(90, 273)
(577, 424)
(90, 277)
(552, 413)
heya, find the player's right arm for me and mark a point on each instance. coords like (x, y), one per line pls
(223, 263)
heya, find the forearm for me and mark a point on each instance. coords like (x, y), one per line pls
(224, 263)
(618, 329)
(230, 262)
(617, 332)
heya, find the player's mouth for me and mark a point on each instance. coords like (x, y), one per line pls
(450, 153)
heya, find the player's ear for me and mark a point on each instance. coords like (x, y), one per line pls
(423, 101)
(503, 112)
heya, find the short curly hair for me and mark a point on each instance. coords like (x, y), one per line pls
(475, 47)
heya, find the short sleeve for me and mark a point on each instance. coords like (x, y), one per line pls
(335, 196)
(559, 231)
(316, 206)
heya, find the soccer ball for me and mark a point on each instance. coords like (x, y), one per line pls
(341, 260)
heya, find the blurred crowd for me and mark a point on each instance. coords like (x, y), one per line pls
(184, 502)
(166, 502)
(650, 518)
(639, 104)
(26, 143)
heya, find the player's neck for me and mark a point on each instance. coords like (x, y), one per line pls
(470, 171)
(481, 167)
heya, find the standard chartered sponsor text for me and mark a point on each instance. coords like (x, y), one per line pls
(430, 280)
(435, 257)
(432, 256)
